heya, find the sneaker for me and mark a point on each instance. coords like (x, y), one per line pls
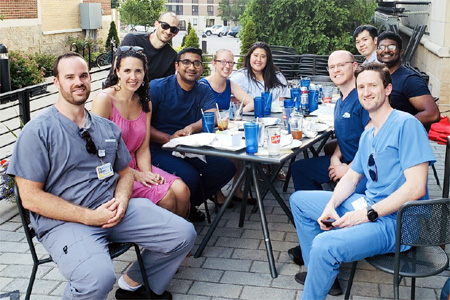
(281, 175)
(141, 293)
(195, 215)
(296, 255)
(335, 289)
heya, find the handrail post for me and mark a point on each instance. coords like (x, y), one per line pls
(24, 106)
(89, 53)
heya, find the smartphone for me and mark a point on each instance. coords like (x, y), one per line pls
(328, 222)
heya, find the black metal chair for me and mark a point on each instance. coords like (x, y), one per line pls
(424, 225)
(115, 249)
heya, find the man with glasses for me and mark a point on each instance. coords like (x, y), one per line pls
(160, 55)
(345, 226)
(349, 122)
(178, 102)
(410, 92)
(71, 169)
(366, 42)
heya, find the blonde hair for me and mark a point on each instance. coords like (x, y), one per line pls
(220, 51)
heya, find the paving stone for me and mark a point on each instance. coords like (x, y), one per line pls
(216, 290)
(179, 286)
(193, 262)
(362, 288)
(227, 264)
(4, 281)
(258, 234)
(191, 297)
(246, 278)
(387, 291)
(238, 243)
(14, 247)
(199, 274)
(215, 251)
(24, 271)
(40, 287)
(16, 258)
(226, 232)
(11, 226)
(258, 293)
(10, 236)
(250, 254)
(286, 282)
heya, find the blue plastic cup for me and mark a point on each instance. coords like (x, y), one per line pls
(313, 97)
(208, 122)
(295, 95)
(305, 81)
(259, 107)
(251, 137)
(268, 102)
(288, 109)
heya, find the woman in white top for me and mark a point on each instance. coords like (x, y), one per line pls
(259, 74)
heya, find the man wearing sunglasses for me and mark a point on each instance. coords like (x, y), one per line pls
(160, 55)
(71, 169)
(410, 92)
(178, 102)
(344, 226)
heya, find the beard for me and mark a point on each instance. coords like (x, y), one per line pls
(76, 99)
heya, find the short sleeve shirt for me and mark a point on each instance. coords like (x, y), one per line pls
(405, 85)
(350, 118)
(174, 108)
(160, 62)
(401, 143)
(50, 150)
(254, 87)
(222, 99)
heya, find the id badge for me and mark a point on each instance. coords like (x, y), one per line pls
(359, 203)
(104, 171)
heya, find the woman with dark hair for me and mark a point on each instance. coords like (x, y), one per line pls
(259, 74)
(125, 101)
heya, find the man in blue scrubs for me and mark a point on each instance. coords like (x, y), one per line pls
(393, 155)
(410, 92)
(177, 102)
(349, 122)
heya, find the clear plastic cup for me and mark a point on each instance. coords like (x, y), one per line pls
(273, 140)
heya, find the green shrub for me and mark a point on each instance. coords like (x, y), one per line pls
(45, 62)
(192, 39)
(112, 35)
(25, 71)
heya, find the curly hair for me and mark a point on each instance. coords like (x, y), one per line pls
(144, 90)
(270, 70)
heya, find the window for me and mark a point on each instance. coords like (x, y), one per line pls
(210, 9)
(195, 10)
(194, 1)
(210, 1)
(194, 21)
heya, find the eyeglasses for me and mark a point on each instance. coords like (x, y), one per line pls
(165, 26)
(186, 63)
(339, 66)
(224, 62)
(90, 145)
(131, 48)
(372, 166)
(389, 47)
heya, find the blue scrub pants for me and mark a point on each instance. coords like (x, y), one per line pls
(81, 251)
(324, 251)
(309, 174)
(215, 174)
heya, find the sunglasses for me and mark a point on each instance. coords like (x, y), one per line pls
(131, 48)
(165, 26)
(372, 166)
(90, 145)
(389, 47)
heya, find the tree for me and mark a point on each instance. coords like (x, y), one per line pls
(309, 26)
(232, 11)
(114, 3)
(183, 41)
(225, 10)
(140, 12)
(192, 39)
(112, 35)
(248, 38)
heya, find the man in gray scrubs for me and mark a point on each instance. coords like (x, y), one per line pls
(71, 168)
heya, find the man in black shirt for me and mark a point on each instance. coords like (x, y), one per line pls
(160, 55)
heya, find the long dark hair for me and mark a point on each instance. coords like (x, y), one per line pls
(270, 70)
(112, 79)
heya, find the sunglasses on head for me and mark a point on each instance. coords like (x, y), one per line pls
(373, 171)
(165, 26)
(90, 145)
(131, 48)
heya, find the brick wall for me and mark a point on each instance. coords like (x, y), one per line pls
(106, 5)
(19, 9)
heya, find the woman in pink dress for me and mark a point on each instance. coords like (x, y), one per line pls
(125, 101)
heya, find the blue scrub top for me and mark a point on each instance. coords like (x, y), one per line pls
(222, 99)
(350, 118)
(401, 143)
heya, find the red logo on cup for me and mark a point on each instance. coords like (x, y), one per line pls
(275, 139)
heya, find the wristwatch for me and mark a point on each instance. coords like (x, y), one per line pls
(372, 215)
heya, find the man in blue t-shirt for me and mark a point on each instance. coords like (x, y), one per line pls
(177, 104)
(410, 92)
(393, 155)
(349, 122)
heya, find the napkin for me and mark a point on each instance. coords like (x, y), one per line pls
(276, 108)
(286, 140)
(189, 155)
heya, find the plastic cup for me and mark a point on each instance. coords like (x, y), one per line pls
(296, 124)
(251, 137)
(261, 129)
(268, 102)
(295, 95)
(327, 94)
(222, 122)
(259, 107)
(273, 140)
(208, 122)
(288, 109)
(238, 113)
(305, 81)
(313, 97)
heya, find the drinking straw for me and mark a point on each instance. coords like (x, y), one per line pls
(218, 114)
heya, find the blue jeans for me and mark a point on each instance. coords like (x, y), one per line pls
(215, 174)
(309, 174)
(324, 251)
